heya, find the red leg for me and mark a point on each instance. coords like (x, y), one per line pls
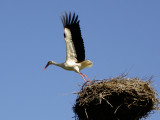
(82, 77)
(86, 77)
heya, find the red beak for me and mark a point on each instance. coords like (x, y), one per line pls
(46, 66)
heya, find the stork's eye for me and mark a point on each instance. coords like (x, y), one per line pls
(64, 35)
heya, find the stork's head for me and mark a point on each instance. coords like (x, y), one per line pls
(49, 63)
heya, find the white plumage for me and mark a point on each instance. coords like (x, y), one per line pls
(75, 52)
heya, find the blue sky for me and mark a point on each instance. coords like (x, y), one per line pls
(120, 36)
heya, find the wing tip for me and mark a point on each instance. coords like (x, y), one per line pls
(69, 19)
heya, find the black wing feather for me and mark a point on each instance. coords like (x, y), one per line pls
(73, 25)
(73, 18)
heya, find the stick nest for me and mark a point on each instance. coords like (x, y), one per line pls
(116, 98)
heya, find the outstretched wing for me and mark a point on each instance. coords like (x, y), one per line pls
(73, 39)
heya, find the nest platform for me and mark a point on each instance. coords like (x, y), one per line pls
(118, 98)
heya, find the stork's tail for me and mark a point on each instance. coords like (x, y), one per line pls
(86, 63)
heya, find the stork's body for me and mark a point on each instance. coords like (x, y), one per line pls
(75, 55)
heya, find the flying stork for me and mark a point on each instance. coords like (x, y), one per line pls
(75, 56)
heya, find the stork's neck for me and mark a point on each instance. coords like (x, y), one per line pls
(57, 64)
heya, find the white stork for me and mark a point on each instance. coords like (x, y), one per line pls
(75, 57)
